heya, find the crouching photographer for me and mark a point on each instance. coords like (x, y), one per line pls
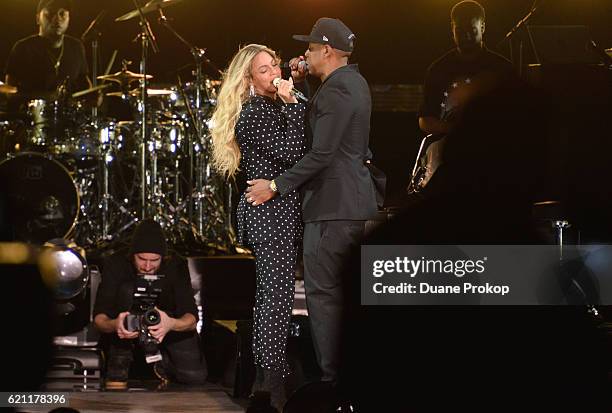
(145, 302)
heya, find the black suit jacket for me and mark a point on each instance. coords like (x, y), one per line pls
(333, 177)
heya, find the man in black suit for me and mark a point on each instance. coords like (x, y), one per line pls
(338, 194)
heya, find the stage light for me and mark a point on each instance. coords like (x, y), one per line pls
(65, 269)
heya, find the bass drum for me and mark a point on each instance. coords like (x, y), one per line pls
(42, 198)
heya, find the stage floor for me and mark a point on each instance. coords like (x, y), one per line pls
(146, 396)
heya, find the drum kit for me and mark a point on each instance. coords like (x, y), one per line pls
(70, 173)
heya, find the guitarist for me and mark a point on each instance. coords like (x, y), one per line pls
(454, 78)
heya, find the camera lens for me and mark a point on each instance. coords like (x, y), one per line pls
(152, 317)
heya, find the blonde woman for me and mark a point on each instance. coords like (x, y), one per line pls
(260, 129)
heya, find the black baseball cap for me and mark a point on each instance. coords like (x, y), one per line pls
(58, 4)
(332, 32)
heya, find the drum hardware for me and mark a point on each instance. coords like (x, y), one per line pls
(94, 33)
(138, 93)
(124, 77)
(92, 89)
(199, 57)
(151, 6)
(206, 207)
(155, 164)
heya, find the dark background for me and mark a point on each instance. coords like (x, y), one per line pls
(396, 41)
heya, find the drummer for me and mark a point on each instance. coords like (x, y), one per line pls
(40, 64)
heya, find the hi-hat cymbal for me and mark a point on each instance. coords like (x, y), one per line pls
(123, 77)
(138, 92)
(90, 90)
(147, 8)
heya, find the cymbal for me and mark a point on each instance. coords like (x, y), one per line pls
(125, 76)
(544, 203)
(90, 90)
(7, 89)
(153, 92)
(147, 8)
(150, 92)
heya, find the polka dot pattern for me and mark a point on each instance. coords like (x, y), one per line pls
(271, 139)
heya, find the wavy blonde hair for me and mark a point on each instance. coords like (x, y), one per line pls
(233, 93)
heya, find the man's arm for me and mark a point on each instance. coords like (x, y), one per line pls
(105, 307)
(187, 322)
(335, 107)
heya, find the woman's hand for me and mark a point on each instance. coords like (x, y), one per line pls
(284, 91)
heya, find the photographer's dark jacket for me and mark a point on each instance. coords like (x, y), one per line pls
(115, 292)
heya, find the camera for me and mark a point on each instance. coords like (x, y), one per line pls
(147, 289)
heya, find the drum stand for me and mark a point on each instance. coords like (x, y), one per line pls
(107, 200)
(147, 39)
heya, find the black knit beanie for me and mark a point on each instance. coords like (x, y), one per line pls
(149, 237)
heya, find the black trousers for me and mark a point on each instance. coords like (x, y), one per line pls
(327, 245)
(181, 357)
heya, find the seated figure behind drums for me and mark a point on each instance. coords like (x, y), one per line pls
(47, 68)
(39, 64)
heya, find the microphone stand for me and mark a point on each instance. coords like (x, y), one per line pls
(535, 7)
(147, 38)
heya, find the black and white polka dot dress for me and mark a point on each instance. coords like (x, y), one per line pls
(271, 139)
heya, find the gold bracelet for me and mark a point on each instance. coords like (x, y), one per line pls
(273, 186)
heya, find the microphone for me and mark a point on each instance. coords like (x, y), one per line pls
(93, 24)
(302, 64)
(299, 95)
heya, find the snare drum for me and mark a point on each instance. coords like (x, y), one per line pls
(43, 200)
